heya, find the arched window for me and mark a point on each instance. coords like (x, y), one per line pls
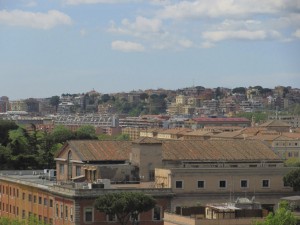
(69, 165)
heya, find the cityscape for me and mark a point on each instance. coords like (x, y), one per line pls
(158, 112)
(206, 155)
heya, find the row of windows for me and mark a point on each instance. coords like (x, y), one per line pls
(222, 184)
(15, 210)
(64, 212)
(89, 214)
(62, 170)
(31, 198)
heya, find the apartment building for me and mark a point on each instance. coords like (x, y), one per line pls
(66, 203)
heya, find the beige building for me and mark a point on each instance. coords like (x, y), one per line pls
(174, 133)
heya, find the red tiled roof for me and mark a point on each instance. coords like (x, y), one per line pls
(203, 119)
(199, 150)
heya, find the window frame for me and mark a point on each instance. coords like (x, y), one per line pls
(177, 184)
(225, 182)
(203, 186)
(247, 183)
(262, 183)
(85, 211)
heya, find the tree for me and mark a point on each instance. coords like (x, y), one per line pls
(86, 132)
(5, 127)
(144, 96)
(105, 98)
(61, 134)
(240, 90)
(125, 205)
(283, 216)
(292, 179)
(54, 101)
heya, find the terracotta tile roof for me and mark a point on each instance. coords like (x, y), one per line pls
(266, 137)
(175, 131)
(233, 134)
(205, 119)
(199, 133)
(217, 150)
(198, 150)
(274, 123)
(101, 150)
(147, 140)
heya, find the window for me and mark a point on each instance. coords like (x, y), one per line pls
(88, 214)
(78, 170)
(45, 201)
(265, 183)
(51, 203)
(71, 214)
(34, 199)
(222, 183)
(244, 183)
(61, 169)
(200, 184)
(23, 214)
(45, 220)
(17, 193)
(66, 212)
(61, 211)
(157, 213)
(29, 197)
(50, 221)
(179, 184)
(23, 196)
(40, 200)
(111, 217)
(56, 209)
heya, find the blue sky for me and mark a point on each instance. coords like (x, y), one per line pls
(50, 47)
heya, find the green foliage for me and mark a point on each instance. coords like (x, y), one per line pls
(125, 205)
(54, 101)
(122, 137)
(30, 221)
(259, 117)
(5, 127)
(105, 98)
(86, 132)
(292, 179)
(239, 90)
(292, 162)
(283, 216)
(61, 134)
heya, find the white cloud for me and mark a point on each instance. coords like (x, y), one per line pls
(78, 2)
(186, 43)
(140, 25)
(83, 32)
(234, 34)
(34, 20)
(221, 8)
(207, 45)
(127, 46)
(297, 33)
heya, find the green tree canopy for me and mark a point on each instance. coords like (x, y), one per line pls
(240, 90)
(86, 132)
(54, 101)
(125, 205)
(61, 134)
(283, 216)
(5, 127)
(292, 179)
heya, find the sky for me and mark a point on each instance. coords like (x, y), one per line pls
(51, 47)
